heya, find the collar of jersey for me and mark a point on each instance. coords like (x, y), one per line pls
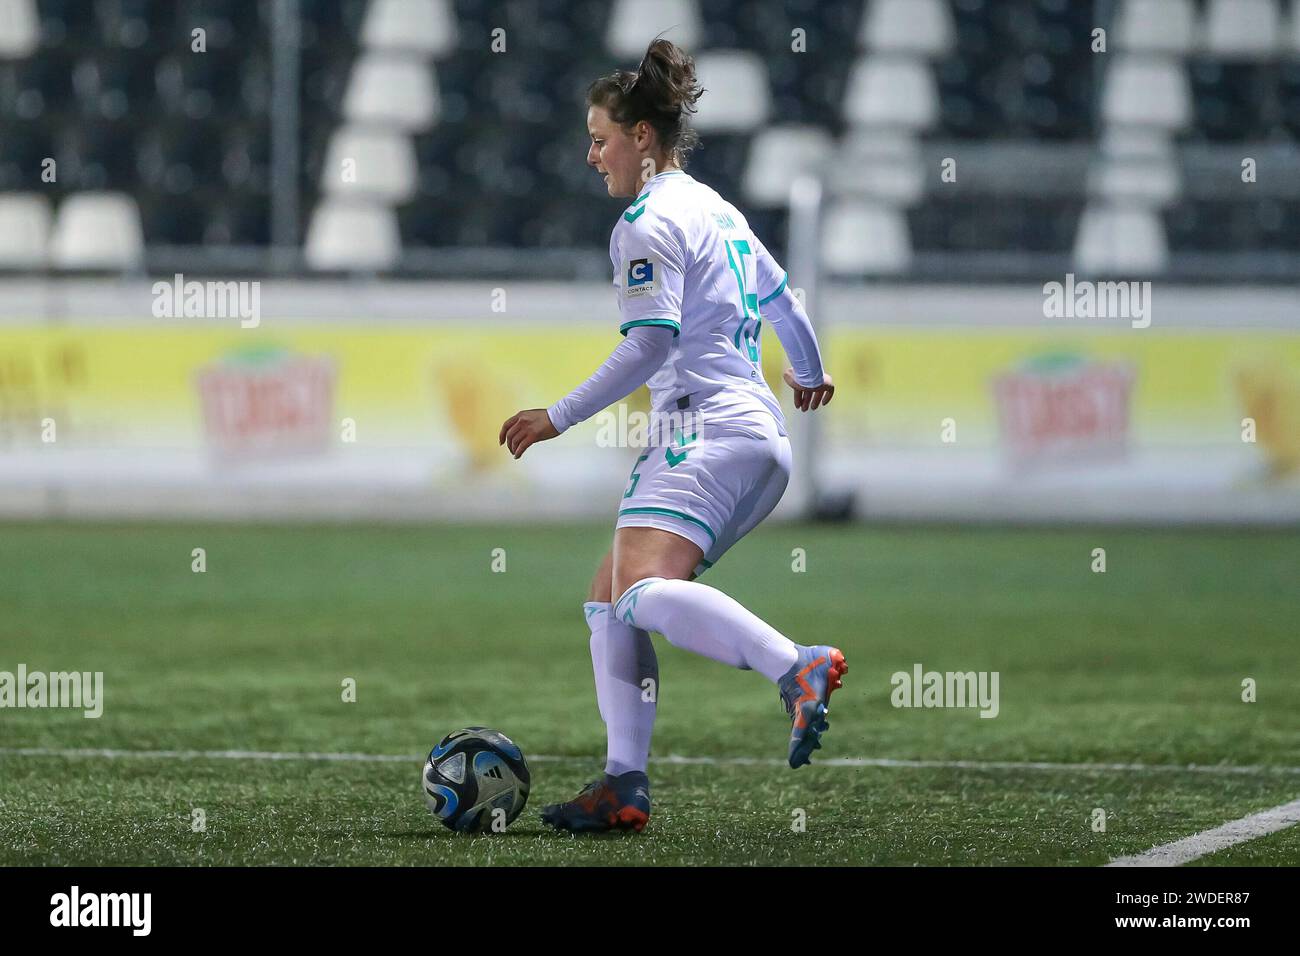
(664, 174)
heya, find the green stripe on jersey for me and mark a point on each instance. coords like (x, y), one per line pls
(672, 514)
(779, 290)
(664, 323)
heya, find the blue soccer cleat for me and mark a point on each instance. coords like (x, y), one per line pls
(806, 692)
(614, 803)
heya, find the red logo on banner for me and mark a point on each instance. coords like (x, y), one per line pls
(275, 406)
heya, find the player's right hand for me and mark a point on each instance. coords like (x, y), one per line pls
(808, 398)
(524, 428)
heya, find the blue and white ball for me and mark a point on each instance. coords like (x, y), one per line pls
(476, 780)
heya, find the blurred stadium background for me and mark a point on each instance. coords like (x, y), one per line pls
(405, 182)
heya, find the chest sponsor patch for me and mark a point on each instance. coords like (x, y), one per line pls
(642, 278)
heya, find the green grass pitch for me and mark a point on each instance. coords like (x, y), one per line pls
(1141, 664)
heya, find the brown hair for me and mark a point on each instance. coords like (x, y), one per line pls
(662, 91)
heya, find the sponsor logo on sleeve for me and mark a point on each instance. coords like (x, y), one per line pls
(642, 278)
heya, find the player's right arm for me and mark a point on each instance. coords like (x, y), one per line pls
(811, 385)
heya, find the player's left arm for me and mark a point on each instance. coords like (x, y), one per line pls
(811, 384)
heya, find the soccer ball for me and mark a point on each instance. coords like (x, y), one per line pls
(476, 780)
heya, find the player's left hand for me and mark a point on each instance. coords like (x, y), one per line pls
(806, 398)
(524, 428)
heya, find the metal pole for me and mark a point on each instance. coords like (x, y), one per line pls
(284, 118)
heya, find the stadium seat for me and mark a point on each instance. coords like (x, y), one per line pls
(881, 164)
(1143, 90)
(634, 23)
(1243, 28)
(1151, 179)
(352, 235)
(891, 91)
(1155, 26)
(1292, 39)
(97, 231)
(1120, 240)
(922, 27)
(383, 165)
(777, 156)
(426, 27)
(24, 230)
(1237, 99)
(20, 28)
(738, 93)
(391, 89)
(864, 238)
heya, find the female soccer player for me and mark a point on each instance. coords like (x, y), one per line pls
(691, 279)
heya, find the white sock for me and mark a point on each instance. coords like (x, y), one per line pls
(702, 619)
(627, 687)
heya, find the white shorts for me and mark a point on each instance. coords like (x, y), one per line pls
(712, 490)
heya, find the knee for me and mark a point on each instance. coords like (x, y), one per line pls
(603, 583)
(622, 586)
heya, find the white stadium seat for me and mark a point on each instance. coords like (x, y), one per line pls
(908, 26)
(881, 164)
(738, 98)
(1153, 181)
(864, 238)
(20, 31)
(1248, 28)
(392, 90)
(98, 231)
(634, 23)
(1126, 240)
(420, 26)
(383, 164)
(352, 235)
(1155, 26)
(1143, 90)
(892, 91)
(777, 156)
(24, 230)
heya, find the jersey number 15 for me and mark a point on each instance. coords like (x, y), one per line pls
(743, 267)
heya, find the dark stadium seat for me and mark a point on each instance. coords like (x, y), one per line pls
(1018, 68)
(96, 155)
(39, 87)
(1237, 101)
(1228, 225)
(995, 223)
(719, 161)
(23, 147)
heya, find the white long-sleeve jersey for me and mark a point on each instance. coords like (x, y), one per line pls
(686, 261)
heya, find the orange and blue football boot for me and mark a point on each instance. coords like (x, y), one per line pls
(614, 803)
(806, 692)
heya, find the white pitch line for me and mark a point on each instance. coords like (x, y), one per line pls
(1208, 841)
(887, 762)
